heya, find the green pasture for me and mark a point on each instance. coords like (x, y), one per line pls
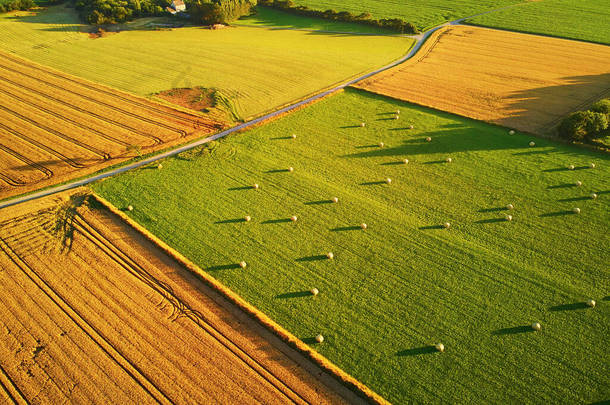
(587, 20)
(423, 13)
(394, 290)
(259, 68)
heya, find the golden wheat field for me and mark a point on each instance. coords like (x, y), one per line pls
(516, 80)
(94, 313)
(54, 127)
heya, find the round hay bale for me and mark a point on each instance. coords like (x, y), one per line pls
(428, 139)
(446, 225)
(362, 124)
(314, 291)
(159, 166)
(591, 303)
(511, 132)
(291, 169)
(576, 210)
(243, 264)
(130, 208)
(319, 338)
(532, 144)
(381, 144)
(405, 161)
(570, 167)
(592, 165)
(536, 326)
(335, 199)
(388, 180)
(411, 127)
(439, 347)
(255, 186)
(363, 226)
(510, 207)
(330, 255)
(294, 136)
(593, 196)
(397, 111)
(247, 218)
(396, 117)
(448, 160)
(578, 183)
(293, 218)
(509, 217)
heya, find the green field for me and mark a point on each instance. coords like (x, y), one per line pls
(265, 16)
(259, 68)
(405, 283)
(423, 13)
(587, 20)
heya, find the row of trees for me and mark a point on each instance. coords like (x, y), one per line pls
(394, 24)
(587, 125)
(100, 12)
(10, 5)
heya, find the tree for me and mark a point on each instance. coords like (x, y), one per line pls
(583, 125)
(219, 11)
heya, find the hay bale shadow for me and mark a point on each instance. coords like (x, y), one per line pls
(417, 351)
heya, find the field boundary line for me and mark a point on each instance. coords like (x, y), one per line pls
(343, 377)
(96, 337)
(179, 307)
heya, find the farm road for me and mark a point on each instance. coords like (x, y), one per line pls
(419, 41)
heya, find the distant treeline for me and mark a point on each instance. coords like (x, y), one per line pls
(100, 12)
(394, 24)
(10, 5)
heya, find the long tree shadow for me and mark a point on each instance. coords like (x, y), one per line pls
(513, 330)
(294, 294)
(416, 351)
(569, 307)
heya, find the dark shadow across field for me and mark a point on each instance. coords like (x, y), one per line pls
(569, 307)
(513, 330)
(294, 294)
(416, 351)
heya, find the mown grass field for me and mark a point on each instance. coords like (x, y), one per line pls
(258, 68)
(423, 13)
(576, 19)
(265, 16)
(405, 283)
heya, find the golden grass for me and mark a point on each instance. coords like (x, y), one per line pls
(516, 80)
(93, 312)
(54, 127)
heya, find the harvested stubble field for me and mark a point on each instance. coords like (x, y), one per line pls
(516, 80)
(404, 284)
(106, 316)
(54, 127)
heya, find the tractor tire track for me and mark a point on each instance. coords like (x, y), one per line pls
(157, 140)
(179, 308)
(11, 389)
(181, 132)
(102, 342)
(185, 117)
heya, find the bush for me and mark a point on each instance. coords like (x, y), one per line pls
(11, 5)
(602, 107)
(583, 125)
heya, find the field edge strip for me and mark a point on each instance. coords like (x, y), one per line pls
(343, 377)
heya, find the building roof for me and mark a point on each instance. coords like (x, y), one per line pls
(178, 3)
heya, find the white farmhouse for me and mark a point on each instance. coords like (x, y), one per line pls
(178, 5)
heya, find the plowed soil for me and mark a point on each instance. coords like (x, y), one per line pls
(54, 127)
(516, 80)
(93, 313)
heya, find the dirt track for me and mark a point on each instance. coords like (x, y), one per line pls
(54, 127)
(105, 316)
(522, 81)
